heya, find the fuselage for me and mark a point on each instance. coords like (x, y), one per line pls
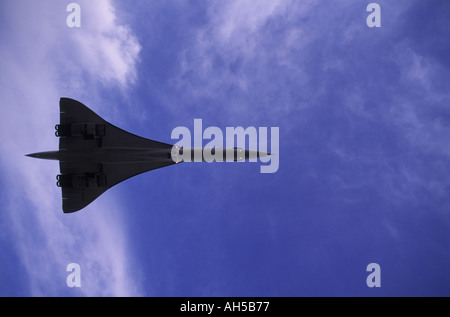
(106, 155)
(130, 155)
(96, 155)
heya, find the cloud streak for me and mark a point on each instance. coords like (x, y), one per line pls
(366, 96)
(43, 59)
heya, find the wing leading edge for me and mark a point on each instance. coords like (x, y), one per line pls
(83, 130)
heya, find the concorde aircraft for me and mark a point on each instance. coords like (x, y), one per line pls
(95, 155)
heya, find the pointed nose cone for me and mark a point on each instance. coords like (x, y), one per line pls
(252, 154)
(262, 154)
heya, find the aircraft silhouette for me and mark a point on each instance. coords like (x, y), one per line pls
(95, 155)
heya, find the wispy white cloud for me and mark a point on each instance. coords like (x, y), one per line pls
(42, 59)
(105, 48)
(263, 59)
(232, 52)
(411, 110)
(419, 110)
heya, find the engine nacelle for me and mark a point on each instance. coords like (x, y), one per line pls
(86, 180)
(89, 131)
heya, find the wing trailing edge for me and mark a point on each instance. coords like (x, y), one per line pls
(83, 131)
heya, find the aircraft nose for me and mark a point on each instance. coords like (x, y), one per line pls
(261, 154)
(253, 154)
(35, 155)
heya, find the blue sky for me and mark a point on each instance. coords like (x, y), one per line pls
(364, 148)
